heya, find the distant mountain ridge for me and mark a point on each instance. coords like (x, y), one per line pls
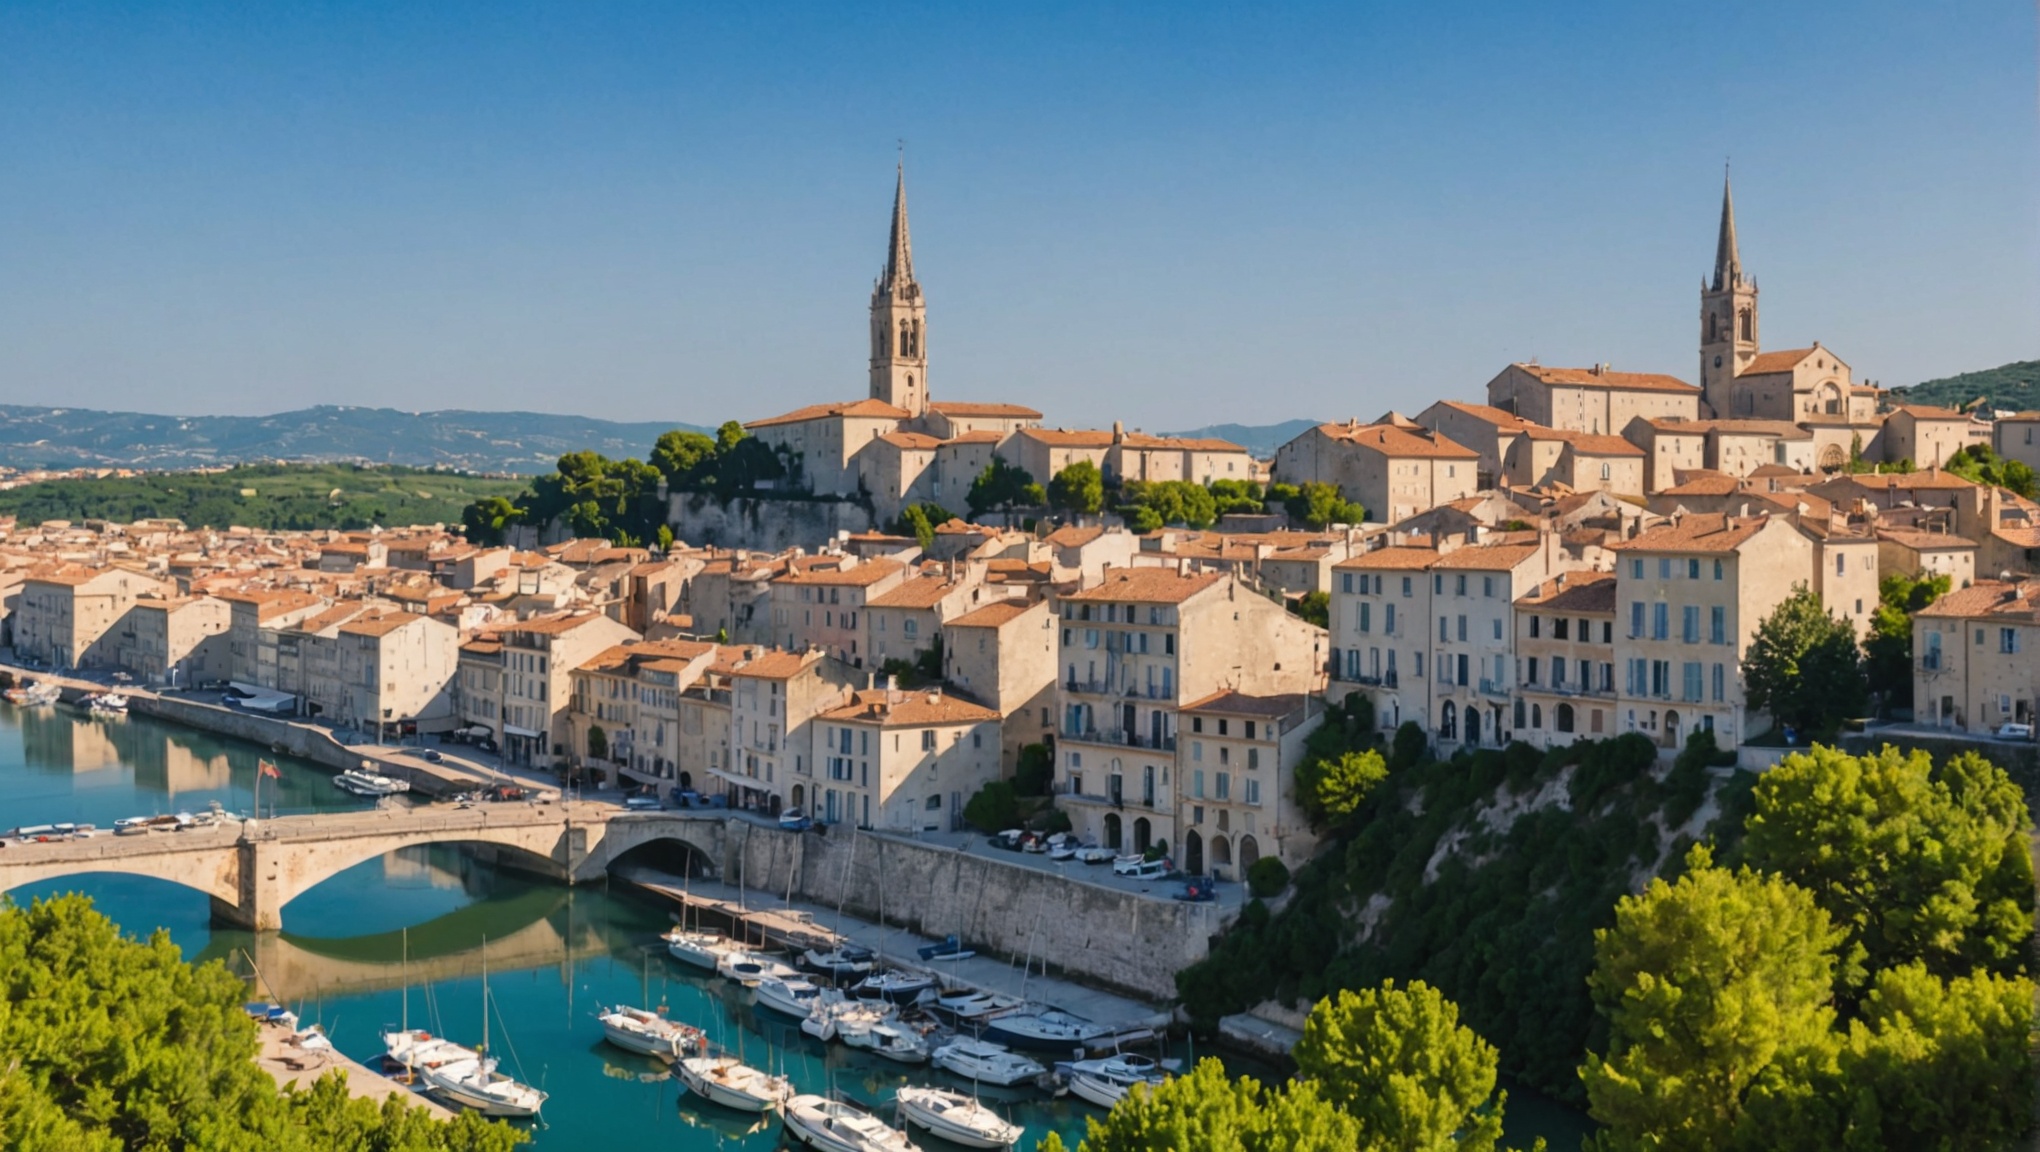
(520, 442)
(2013, 386)
(1259, 439)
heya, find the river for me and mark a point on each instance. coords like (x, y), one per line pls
(403, 937)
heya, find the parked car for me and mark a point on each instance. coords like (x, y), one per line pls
(643, 804)
(2015, 731)
(795, 820)
(1009, 839)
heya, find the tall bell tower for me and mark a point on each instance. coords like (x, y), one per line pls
(1728, 316)
(899, 350)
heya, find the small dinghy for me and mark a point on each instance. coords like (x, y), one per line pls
(896, 986)
(957, 1118)
(951, 948)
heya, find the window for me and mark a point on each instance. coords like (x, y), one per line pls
(1388, 618)
(1607, 632)
(1636, 618)
(2008, 639)
(1717, 625)
(1660, 621)
(1197, 783)
(1253, 759)
(1253, 793)
(1366, 617)
(1693, 569)
(1462, 629)
(1530, 673)
(1459, 584)
(1689, 623)
(1692, 680)
(1346, 582)
(1720, 683)
(1197, 750)
(1717, 569)
(1636, 569)
(1444, 628)
(1224, 786)
(1560, 626)
(1405, 586)
(1664, 567)
(1841, 565)
(1487, 587)
(1533, 628)
(928, 740)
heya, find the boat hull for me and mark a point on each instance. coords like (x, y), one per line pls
(939, 1124)
(727, 1095)
(644, 1043)
(1014, 1033)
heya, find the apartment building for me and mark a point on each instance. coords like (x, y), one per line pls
(396, 670)
(535, 682)
(1565, 660)
(1133, 650)
(1845, 569)
(906, 620)
(774, 697)
(1596, 400)
(635, 695)
(1003, 656)
(1395, 469)
(180, 641)
(1973, 657)
(1690, 594)
(67, 614)
(819, 602)
(1238, 759)
(901, 761)
(1918, 553)
(1380, 610)
(1474, 590)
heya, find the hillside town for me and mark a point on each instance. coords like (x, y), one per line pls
(1577, 552)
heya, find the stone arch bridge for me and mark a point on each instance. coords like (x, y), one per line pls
(251, 869)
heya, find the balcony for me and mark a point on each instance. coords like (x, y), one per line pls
(1119, 738)
(1494, 688)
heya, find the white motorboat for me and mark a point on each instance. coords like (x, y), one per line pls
(475, 1083)
(637, 1030)
(415, 1048)
(730, 1082)
(886, 1038)
(987, 1063)
(750, 968)
(970, 1009)
(1045, 1029)
(1106, 1082)
(364, 782)
(834, 1126)
(840, 963)
(896, 986)
(957, 1118)
(791, 995)
(107, 704)
(701, 949)
(830, 1017)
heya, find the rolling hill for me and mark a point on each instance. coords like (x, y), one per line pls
(295, 496)
(1260, 439)
(516, 442)
(2015, 387)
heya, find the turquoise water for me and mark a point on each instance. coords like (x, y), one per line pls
(418, 919)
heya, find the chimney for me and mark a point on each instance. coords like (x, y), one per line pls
(1118, 431)
(892, 684)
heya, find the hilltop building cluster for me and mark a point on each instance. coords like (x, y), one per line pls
(1582, 553)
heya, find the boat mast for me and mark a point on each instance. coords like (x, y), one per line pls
(405, 970)
(485, 995)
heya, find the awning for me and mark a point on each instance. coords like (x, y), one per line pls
(751, 782)
(514, 730)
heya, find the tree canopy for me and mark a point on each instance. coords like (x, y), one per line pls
(1709, 984)
(110, 1043)
(1888, 649)
(1316, 505)
(1208, 1111)
(1002, 486)
(1803, 667)
(1151, 504)
(1913, 863)
(1399, 1062)
(1078, 488)
(1979, 464)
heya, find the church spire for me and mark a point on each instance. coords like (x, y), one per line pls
(1727, 261)
(899, 258)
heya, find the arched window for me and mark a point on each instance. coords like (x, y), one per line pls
(1713, 327)
(1605, 471)
(1473, 725)
(906, 339)
(1565, 718)
(917, 337)
(1448, 721)
(1748, 323)
(1112, 833)
(1537, 716)
(1519, 713)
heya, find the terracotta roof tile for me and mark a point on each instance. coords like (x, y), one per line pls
(994, 615)
(1392, 440)
(1576, 592)
(1624, 381)
(970, 408)
(1147, 586)
(866, 409)
(901, 709)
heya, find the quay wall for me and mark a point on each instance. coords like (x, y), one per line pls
(763, 524)
(304, 741)
(1123, 941)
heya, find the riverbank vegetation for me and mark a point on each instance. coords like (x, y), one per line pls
(298, 497)
(110, 1043)
(1851, 974)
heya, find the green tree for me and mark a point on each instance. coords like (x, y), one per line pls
(1888, 649)
(914, 522)
(598, 743)
(1715, 987)
(1002, 486)
(994, 807)
(1410, 746)
(111, 1043)
(1803, 666)
(486, 519)
(680, 455)
(1314, 608)
(1977, 463)
(1208, 1111)
(665, 538)
(1267, 877)
(1399, 1062)
(1078, 488)
(1237, 496)
(1316, 505)
(1167, 502)
(1333, 787)
(1035, 772)
(1913, 863)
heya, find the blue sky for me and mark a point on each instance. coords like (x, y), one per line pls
(1170, 214)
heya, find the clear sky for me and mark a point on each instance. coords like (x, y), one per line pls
(1167, 213)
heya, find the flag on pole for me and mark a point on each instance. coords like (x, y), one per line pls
(268, 769)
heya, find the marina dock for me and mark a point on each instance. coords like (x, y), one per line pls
(293, 1067)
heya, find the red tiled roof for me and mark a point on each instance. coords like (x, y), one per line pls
(1624, 381)
(867, 409)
